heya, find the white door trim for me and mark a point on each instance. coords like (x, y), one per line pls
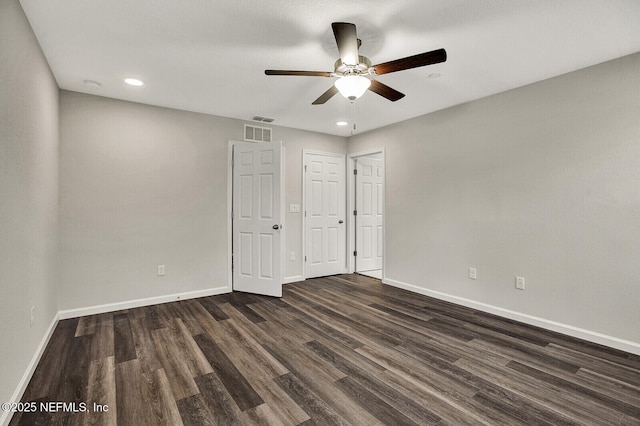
(229, 209)
(351, 202)
(304, 206)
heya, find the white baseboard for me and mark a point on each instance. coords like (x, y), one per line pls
(129, 304)
(292, 279)
(591, 336)
(5, 416)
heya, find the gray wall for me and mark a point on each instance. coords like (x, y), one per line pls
(142, 186)
(541, 181)
(28, 195)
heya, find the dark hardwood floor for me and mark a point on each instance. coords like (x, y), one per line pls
(336, 350)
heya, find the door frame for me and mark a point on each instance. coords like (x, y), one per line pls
(304, 208)
(230, 209)
(351, 203)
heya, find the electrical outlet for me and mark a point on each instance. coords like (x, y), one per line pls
(473, 274)
(520, 283)
(292, 255)
(160, 270)
(33, 316)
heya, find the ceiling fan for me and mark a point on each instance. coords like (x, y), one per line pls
(351, 68)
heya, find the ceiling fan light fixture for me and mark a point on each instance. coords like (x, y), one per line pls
(352, 86)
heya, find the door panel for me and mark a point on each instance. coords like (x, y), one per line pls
(367, 243)
(369, 202)
(245, 254)
(315, 244)
(266, 256)
(256, 209)
(325, 204)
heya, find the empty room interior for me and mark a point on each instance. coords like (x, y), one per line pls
(408, 212)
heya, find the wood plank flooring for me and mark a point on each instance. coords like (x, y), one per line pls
(335, 350)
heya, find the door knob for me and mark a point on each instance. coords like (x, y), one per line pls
(341, 221)
(276, 226)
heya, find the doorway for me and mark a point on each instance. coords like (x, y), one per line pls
(366, 199)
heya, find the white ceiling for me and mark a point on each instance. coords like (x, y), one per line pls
(210, 56)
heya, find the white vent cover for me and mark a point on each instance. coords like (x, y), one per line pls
(256, 133)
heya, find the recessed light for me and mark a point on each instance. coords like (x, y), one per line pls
(341, 123)
(93, 84)
(133, 81)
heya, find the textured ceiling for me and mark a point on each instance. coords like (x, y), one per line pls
(210, 56)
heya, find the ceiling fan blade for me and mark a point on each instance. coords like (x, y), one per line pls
(415, 61)
(301, 73)
(347, 42)
(385, 91)
(325, 96)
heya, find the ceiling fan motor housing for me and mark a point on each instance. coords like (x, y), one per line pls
(364, 64)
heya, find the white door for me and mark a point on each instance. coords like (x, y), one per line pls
(325, 227)
(369, 202)
(257, 218)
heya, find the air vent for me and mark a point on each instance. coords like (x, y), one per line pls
(256, 133)
(265, 119)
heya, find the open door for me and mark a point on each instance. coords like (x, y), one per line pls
(369, 197)
(257, 218)
(367, 202)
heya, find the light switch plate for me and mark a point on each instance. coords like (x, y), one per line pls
(294, 208)
(473, 273)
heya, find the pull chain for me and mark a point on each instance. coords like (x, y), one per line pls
(353, 117)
